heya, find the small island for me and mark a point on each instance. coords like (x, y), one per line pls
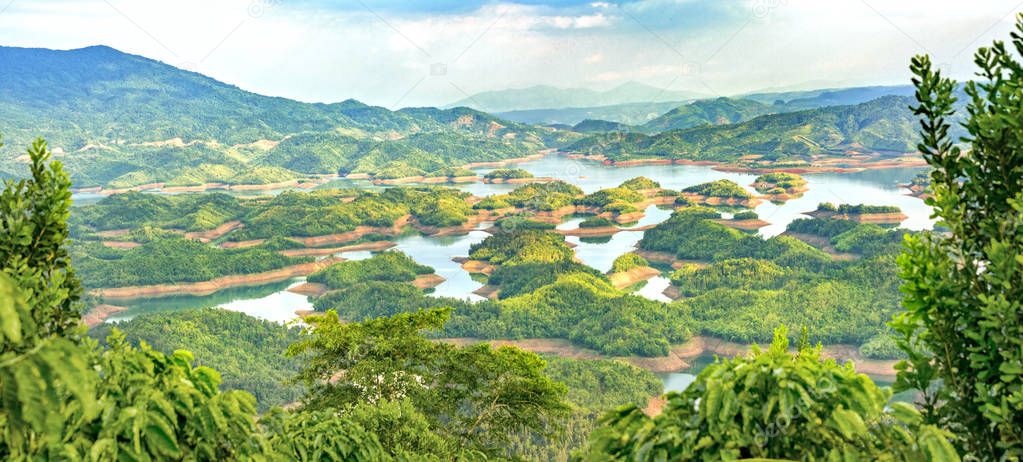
(862, 213)
(719, 192)
(780, 186)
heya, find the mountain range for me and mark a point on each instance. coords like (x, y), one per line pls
(121, 120)
(882, 125)
(548, 97)
(118, 120)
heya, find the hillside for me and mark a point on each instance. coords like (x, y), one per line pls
(718, 111)
(548, 97)
(109, 114)
(884, 125)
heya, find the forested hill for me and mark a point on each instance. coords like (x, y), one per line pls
(717, 111)
(110, 113)
(882, 125)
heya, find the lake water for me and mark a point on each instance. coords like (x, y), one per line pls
(878, 187)
(274, 302)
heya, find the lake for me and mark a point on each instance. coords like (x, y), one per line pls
(875, 187)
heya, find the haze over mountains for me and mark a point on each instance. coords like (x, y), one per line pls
(548, 97)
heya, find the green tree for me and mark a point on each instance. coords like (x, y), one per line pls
(63, 398)
(33, 228)
(772, 404)
(964, 289)
(476, 396)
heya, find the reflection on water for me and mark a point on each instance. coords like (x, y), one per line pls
(271, 301)
(437, 252)
(654, 289)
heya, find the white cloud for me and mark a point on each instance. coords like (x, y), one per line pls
(385, 58)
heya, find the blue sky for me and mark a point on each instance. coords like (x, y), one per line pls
(400, 53)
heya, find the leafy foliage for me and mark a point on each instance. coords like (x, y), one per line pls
(522, 246)
(859, 209)
(782, 180)
(750, 285)
(473, 395)
(606, 197)
(65, 399)
(596, 222)
(33, 228)
(962, 323)
(773, 405)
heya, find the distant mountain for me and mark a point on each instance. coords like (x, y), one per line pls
(121, 120)
(600, 126)
(718, 111)
(810, 99)
(881, 125)
(548, 97)
(627, 113)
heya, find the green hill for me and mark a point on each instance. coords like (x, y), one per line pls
(120, 120)
(718, 111)
(881, 125)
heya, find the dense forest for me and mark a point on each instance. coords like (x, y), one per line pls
(171, 259)
(740, 286)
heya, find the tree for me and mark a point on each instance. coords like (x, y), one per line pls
(964, 288)
(777, 405)
(475, 396)
(33, 228)
(63, 398)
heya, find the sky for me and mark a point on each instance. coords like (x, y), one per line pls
(397, 53)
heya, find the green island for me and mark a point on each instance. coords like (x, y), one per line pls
(640, 183)
(722, 189)
(171, 259)
(537, 197)
(542, 293)
(739, 286)
(780, 185)
(507, 174)
(385, 266)
(859, 209)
